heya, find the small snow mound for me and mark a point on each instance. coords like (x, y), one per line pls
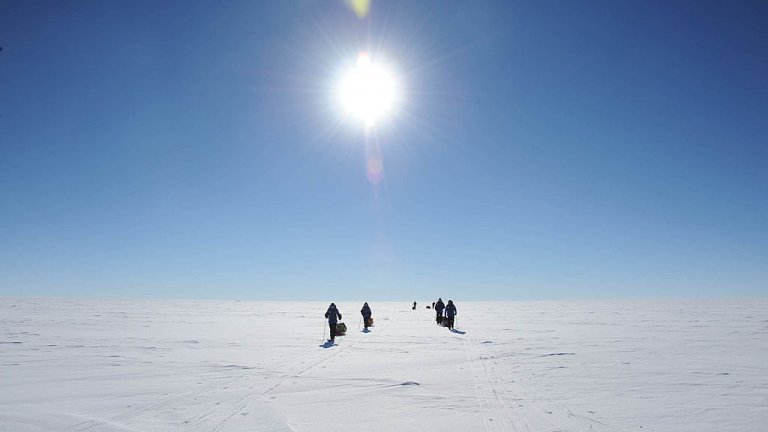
(235, 366)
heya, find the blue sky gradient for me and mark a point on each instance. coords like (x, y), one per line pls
(543, 150)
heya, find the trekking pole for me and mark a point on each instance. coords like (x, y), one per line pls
(323, 330)
(360, 323)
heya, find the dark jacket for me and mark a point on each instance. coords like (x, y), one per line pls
(331, 314)
(439, 306)
(450, 310)
(366, 311)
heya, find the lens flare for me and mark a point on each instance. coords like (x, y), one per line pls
(375, 169)
(360, 7)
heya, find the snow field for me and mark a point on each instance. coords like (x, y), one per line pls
(97, 365)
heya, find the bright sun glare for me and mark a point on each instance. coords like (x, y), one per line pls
(368, 91)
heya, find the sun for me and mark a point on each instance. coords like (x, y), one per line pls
(368, 92)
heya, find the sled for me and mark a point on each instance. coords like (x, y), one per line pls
(341, 329)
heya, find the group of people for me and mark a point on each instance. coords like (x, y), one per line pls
(445, 312)
(334, 316)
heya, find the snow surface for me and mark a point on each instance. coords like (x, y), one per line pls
(88, 365)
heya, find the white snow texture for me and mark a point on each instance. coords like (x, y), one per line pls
(98, 366)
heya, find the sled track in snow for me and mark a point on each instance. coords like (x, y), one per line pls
(243, 402)
(215, 419)
(527, 412)
(164, 402)
(495, 416)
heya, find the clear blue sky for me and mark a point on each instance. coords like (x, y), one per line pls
(544, 150)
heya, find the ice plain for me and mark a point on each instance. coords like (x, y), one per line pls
(162, 365)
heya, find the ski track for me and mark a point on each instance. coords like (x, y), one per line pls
(505, 412)
(216, 419)
(242, 403)
(481, 391)
(122, 417)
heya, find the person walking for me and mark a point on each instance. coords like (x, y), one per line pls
(332, 314)
(439, 306)
(414, 306)
(366, 313)
(450, 312)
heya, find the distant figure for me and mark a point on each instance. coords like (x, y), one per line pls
(414, 306)
(332, 313)
(439, 306)
(450, 312)
(433, 305)
(366, 313)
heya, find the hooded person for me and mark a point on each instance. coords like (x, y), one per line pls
(450, 313)
(366, 313)
(332, 314)
(439, 306)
